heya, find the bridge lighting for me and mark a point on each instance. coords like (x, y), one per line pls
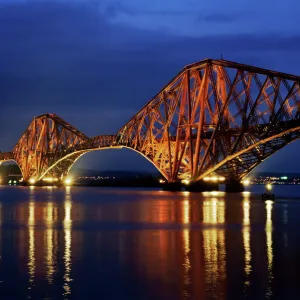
(246, 182)
(185, 181)
(215, 193)
(49, 179)
(0, 180)
(269, 186)
(68, 181)
(246, 193)
(32, 181)
(161, 181)
(214, 178)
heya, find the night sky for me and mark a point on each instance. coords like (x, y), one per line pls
(96, 63)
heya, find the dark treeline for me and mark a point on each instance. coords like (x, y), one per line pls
(122, 182)
(11, 169)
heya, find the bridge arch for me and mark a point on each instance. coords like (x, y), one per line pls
(282, 139)
(70, 159)
(15, 162)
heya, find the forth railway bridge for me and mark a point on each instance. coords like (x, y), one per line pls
(214, 119)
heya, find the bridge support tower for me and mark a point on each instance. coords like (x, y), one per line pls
(199, 186)
(234, 186)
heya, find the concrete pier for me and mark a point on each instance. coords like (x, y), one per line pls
(199, 186)
(234, 186)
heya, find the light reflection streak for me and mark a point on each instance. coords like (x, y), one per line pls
(214, 242)
(49, 242)
(186, 240)
(270, 255)
(31, 248)
(246, 240)
(68, 240)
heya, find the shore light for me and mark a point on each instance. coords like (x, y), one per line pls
(186, 181)
(246, 182)
(32, 181)
(269, 186)
(68, 181)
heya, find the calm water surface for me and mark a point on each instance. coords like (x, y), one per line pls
(97, 243)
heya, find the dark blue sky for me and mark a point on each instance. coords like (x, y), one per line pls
(96, 63)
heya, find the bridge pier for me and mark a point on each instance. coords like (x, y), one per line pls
(234, 186)
(199, 186)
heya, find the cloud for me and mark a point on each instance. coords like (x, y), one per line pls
(221, 17)
(71, 59)
(113, 9)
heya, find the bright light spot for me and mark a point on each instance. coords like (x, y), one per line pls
(246, 182)
(48, 179)
(214, 202)
(215, 193)
(0, 179)
(269, 203)
(269, 186)
(186, 181)
(246, 193)
(214, 178)
(15, 181)
(32, 181)
(284, 177)
(161, 181)
(68, 181)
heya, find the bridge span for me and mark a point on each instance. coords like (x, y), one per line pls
(215, 117)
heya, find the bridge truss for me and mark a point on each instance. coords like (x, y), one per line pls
(214, 117)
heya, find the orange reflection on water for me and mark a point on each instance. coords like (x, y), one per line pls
(214, 244)
(48, 239)
(186, 241)
(269, 242)
(68, 240)
(246, 240)
(31, 240)
(214, 211)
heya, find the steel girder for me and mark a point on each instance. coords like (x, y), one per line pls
(50, 146)
(211, 111)
(47, 139)
(214, 116)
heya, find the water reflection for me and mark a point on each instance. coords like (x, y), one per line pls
(49, 257)
(158, 245)
(246, 241)
(68, 239)
(269, 228)
(186, 206)
(214, 244)
(31, 240)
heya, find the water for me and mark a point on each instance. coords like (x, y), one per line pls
(98, 243)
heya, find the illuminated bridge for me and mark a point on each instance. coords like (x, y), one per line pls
(214, 118)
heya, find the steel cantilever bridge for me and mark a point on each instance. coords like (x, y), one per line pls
(214, 117)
